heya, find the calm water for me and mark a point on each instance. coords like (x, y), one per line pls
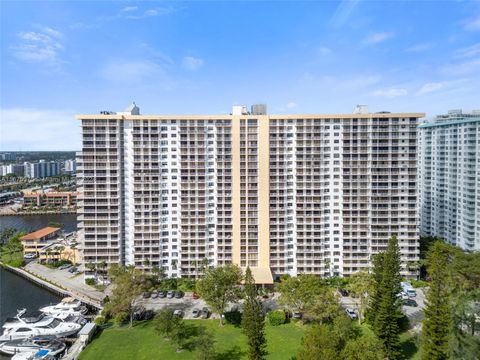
(35, 222)
(16, 292)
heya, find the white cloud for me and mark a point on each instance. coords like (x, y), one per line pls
(420, 47)
(130, 71)
(323, 51)
(430, 87)
(377, 38)
(134, 13)
(191, 63)
(391, 93)
(468, 52)
(462, 68)
(291, 105)
(41, 46)
(443, 85)
(36, 129)
(128, 9)
(342, 12)
(472, 24)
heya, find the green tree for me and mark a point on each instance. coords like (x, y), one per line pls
(375, 296)
(165, 322)
(128, 285)
(324, 308)
(220, 286)
(298, 293)
(318, 343)
(205, 345)
(366, 347)
(253, 320)
(437, 325)
(361, 286)
(386, 325)
(327, 341)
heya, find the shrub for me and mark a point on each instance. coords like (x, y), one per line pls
(100, 320)
(234, 317)
(90, 281)
(419, 283)
(276, 318)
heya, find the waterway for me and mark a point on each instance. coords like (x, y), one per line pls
(30, 223)
(15, 291)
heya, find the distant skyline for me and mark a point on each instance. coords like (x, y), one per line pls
(60, 58)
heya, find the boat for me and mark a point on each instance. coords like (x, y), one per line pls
(48, 342)
(42, 354)
(26, 326)
(67, 305)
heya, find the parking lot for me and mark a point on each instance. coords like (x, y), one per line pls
(414, 314)
(186, 304)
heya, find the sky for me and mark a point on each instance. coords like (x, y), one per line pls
(61, 58)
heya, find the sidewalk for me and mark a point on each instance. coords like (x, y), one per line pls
(73, 283)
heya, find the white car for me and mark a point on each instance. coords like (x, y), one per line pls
(30, 256)
(351, 313)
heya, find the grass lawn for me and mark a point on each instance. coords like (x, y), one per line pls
(143, 343)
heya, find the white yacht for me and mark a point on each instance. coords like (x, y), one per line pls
(48, 342)
(68, 305)
(23, 327)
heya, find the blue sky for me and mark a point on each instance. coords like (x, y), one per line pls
(64, 57)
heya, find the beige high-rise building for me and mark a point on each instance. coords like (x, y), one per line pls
(283, 194)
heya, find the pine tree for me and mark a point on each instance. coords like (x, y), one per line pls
(386, 323)
(253, 320)
(437, 324)
(375, 296)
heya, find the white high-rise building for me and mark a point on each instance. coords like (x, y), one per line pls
(283, 194)
(70, 166)
(450, 178)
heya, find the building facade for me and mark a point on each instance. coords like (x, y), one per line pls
(50, 199)
(42, 169)
(450, 178)
(70, 166)
(283, 194)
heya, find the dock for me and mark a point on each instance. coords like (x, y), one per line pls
(54, 288)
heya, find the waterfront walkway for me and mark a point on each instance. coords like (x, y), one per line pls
(73, 284)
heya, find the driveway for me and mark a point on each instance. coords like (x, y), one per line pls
(73, 283)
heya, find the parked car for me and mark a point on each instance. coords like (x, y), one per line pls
(72, 270)
(178, 294)
(65, 266)
(403, 296)
(196, 313)
(146, 294)
(297, 315)
(142, 314)
(351, 313)
(170, 294)
(195, 296)
(178, 313)
(162, 294)
(410, 302)
(30, 256)
(154, 294)
(343, 292)
(205, 313)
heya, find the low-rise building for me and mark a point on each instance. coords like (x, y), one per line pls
(35, 241)
(51, 199)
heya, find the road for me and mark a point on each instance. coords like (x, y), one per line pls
(74, 283)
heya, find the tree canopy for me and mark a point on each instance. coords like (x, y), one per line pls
(220, 286)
